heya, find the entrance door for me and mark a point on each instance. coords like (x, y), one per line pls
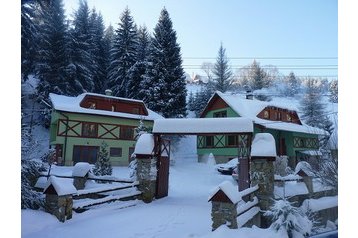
(85, 154)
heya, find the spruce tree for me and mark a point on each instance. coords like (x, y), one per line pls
(107, 45)
(81, 50)
(257, 76)
(103, 165)
(222, 72)
(333, 90)
(98, 51)
(293, 85)
(52, 54)
(137, 71)
(164, 86)
(123, 54)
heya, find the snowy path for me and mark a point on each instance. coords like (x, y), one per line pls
(184, 213)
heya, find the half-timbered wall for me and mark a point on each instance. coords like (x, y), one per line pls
(107, 129)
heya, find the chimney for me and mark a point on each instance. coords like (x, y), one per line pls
(108, 92)
(249, 95)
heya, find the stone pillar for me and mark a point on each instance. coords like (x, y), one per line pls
(146, 175)
(59, 206)
(223, 213)
(308, 181)
(79, 182)
(262, 174)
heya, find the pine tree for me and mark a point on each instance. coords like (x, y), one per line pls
(137, 71)
(103, 165)
(293, 85)
(52, 59)
(98, 51)
(81, 52)
(107, 45)
(191, 101)
(123, 54)
(222, 73)
(29, 34)
(164, 86)
(258, 76)
(333, 90)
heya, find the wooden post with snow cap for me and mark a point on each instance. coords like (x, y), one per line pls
(263, 154)
(146, 166)
(59, 193)
(224, 199)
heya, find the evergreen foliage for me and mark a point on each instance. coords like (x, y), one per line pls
(289, 218)
(141, 129)
(137, 71)
(81, 51)
(293, 85)
(103, 165)
(222, 74)
(333, 90)
(163, 88)
(52, 57)
(201, 99)
(123, 54)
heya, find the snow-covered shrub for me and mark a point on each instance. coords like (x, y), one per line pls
(103, 165)
(289, 218)
(211, 160)
(280, 165)
(30, 172)
(133, 169)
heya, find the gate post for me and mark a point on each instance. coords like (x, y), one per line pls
(146, 167)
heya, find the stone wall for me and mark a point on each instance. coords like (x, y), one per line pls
(146, 175)
(60, 206)
(79, 182)
(223, 213)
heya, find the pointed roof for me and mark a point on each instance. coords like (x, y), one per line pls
(251, 108)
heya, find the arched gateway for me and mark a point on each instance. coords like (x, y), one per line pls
(160, 150)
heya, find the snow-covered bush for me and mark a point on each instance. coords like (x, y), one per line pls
(211, 160)
(280, 165)
(133, 169)
(103, 165)
(289, 218)
(30, 172)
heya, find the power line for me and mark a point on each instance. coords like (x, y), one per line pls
(273, 58)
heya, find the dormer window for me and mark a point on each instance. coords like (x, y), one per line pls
(113, 108)
(266, 114)
(92, 105)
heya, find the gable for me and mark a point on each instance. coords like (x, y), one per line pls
(114, 105)
(273, 113)
(214, 103)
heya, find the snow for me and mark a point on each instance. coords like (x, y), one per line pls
(72, 104)
(145, 144)
(290, 188)
(305, 167)
(320, 204)
(203, 125)
(63, 186)
(243, 207)
(263, 145)
(287, 177)
(250, 109)
(242, 219)
(81, 169)
(311, 152)
(229, 189)
(41, 182)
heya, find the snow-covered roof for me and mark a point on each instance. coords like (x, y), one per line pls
(81, 169)
(263, 145)
(305, 167)
(250, 109)
(63, 186)
(310, 152)
(229, 189)
(203, 125)
(72, 104)
(144, 145)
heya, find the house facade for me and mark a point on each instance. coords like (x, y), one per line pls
(293, 138)
(80, 124)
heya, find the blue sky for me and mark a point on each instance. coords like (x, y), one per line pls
(250, 29)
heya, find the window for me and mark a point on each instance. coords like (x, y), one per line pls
(92, 105)
(288, 117)
(127, 133)
(232, 140)
(115, 152)
(85, 154)
(89, 129)
(209, 141)
(266, 114)
(279, 116)
(220, 114)
(113, 108)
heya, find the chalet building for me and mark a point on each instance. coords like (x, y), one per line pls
(293, 138)
(80, 124)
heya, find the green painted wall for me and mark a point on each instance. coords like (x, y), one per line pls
(72, 141)
(229, 112)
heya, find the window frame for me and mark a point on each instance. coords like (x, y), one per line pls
(123, 135)
(206, 142)
(219, 114)
(93, 133)
(115, 152)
